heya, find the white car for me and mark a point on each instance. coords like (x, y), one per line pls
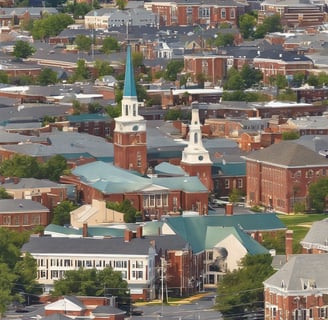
(219, 202)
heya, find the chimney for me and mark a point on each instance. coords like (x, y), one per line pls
(139, 232)
(229, 209)
(16, 180)
(289, 243)
(128, 235)
(85, 230)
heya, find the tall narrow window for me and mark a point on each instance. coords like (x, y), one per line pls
(126, 110)
(139, 159)
(196, 138)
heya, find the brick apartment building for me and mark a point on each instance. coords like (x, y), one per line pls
(278, 177)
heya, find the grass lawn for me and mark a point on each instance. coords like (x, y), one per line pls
(300, 224)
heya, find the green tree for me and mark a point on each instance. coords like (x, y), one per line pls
(94, 107)
(281, 81)
(124, 207)
(290, 135)
(7, 280)
(26, 271)
(50, 25)
(242, 289)
(173, 114)
(287, 95)
(47, 76)
(62, 212)
(91, 282)
(173, 68)
(3, 77)
(312, 80)
(121, 4)
(22, 166)
(79, 9)
(247, 23)
(114, 111)
(103, 68)
(234, 81)
(318, 192)
(250, 75)
(4, 194)
(224, 39)
(81, 72)
(83, 42)
(323, 79)
(23, 49)
(269, 24)
(298, 79)
(137, 59)
(109, 44)
(54, 167)
(235, 195)
(10, 260)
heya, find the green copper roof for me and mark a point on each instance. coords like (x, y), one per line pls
(109, 179)
(194, 229)
(229, 169)
(129, 81)
(88, 117)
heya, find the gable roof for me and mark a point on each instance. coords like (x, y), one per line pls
(298, 271)
(288, 154)
(68, 303)
(217, 234)
(194, 229)
(317, 236)
(106, 246)
(110, 179)
(21, 205)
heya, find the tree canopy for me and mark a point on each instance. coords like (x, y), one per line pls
(241, 290)
(62, 212)
(91, 282)
(23, 49)
(17, 272)
(125, 207)
(318, 192)
(83, 42)
(24, 166)
(50, 25)
(224, 39)
(47, 76)
(173, 68)
(109, 44)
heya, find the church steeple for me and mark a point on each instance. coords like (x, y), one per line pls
(130, 148)
(195, 158)
(129, 81)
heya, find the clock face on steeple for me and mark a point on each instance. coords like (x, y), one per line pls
(135, 127)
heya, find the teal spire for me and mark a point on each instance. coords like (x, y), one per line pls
(129, 81)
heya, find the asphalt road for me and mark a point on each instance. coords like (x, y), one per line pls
(200, 309)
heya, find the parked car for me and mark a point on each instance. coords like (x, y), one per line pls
(219, 202)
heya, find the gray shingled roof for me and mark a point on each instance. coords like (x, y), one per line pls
(299, 270)
(20, 205)
(317, 236)
(92, 246)
(288, 154)
(30, 183)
